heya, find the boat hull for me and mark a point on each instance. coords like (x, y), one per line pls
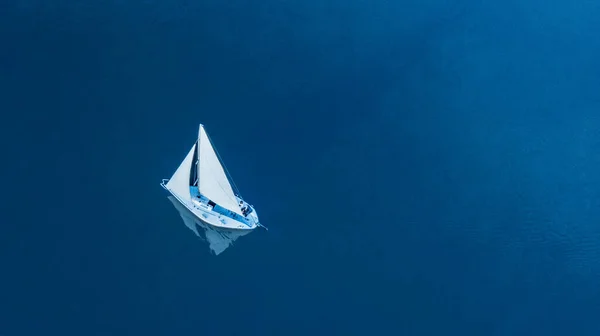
(204, 214)
(218, 239)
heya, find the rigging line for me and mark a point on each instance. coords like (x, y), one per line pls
(224, 166)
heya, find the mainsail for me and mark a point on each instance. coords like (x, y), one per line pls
(212, 180)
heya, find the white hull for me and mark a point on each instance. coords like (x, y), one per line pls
(218, 239)
(203, 213)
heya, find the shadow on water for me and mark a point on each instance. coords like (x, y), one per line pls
(218, 239)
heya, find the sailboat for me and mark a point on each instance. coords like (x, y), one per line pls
(204, 197)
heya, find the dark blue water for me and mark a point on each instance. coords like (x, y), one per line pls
(424, 167)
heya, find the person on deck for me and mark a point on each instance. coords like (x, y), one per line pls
(243, 207)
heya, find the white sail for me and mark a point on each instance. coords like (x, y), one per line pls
(179, 184)
(212, 180)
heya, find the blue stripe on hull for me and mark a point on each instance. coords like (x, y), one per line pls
(221, 210)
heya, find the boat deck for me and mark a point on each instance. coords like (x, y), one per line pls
(218, 216)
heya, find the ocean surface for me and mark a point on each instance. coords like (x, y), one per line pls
(424, 167)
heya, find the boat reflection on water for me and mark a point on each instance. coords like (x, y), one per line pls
(218, 239)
